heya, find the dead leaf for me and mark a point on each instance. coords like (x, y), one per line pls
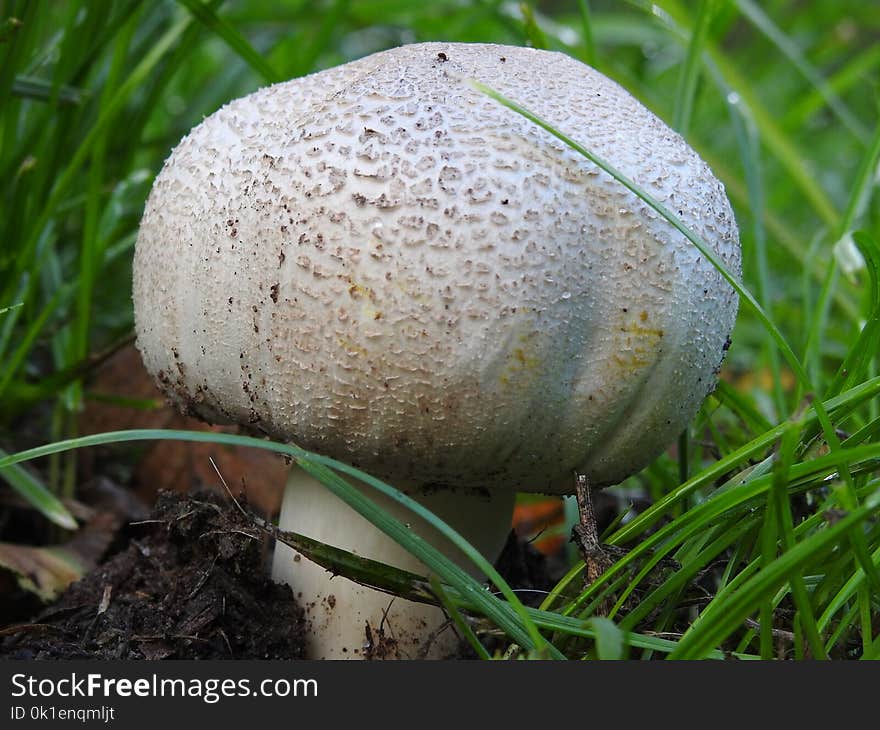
(47, 571)
(175, 465)
(44, 571)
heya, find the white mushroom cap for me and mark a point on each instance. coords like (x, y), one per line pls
(382, 264)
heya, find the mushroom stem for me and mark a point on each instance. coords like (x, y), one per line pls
(347, 620)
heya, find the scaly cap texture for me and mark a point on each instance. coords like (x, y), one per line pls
(382, 264)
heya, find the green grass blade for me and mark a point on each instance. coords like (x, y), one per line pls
(757, 17)
(29, 87)
(730, 608)
(749, 145)
(107, 114)
(866, 179)
(689, 570)
(4, 310)
(775, 139)
(859, 68)
(864, 350)
(533, 31)
(740, 404)
(609, 638)
(17, 359)
(461, 624)
(36, 494)
(536, 641)
(768, 553)
(754, 448)
(690, 70)
(782, 512)
(331, 21)
(237, 42)
(589, 41)
(577, 627)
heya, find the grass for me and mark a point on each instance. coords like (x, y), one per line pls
(770, 506)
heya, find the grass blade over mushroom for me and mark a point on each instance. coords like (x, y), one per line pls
(511, 617)
(459, 587)
(675, 221)
(847, 496)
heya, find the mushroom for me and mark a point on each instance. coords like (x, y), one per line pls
(384, 265)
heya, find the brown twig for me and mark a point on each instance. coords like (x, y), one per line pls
(585, 534)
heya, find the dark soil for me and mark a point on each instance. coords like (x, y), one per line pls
(193, 586)
(191, 583)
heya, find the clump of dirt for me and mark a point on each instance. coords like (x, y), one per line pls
(193, 586)
(191, 582)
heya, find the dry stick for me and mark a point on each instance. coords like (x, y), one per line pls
(228, 490)
(587, 530)
(228, 645)
(586, 533)
(777, 633)
(598, 557)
